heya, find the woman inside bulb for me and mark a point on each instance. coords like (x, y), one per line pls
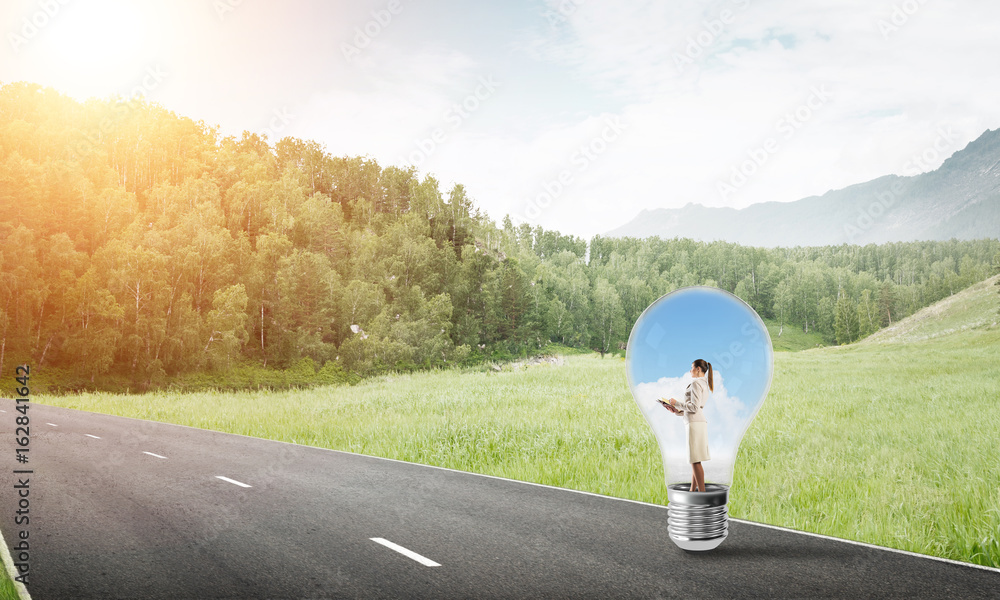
(690, 409)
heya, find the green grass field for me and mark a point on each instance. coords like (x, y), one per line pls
(792, 338)
(891, 442)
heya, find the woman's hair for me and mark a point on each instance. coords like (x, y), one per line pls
(706, 367)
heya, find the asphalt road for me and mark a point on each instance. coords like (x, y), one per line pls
(122, 508)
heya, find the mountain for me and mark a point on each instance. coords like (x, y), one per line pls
(961, 199)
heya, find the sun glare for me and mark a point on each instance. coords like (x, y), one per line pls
(99, 46)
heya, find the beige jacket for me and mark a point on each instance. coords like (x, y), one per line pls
(694, 400)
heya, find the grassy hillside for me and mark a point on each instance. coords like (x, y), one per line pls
(792, 338)
(972, 308)
(889, 443)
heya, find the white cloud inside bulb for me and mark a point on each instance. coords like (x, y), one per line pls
(727, 418)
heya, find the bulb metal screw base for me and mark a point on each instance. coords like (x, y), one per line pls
(697, 521)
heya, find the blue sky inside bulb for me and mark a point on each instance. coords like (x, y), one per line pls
(684, 325)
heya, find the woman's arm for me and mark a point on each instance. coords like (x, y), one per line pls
(700, 393)
(688, 405)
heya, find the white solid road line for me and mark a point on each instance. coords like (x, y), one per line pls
(232, 481)
(93, 436)
(407, 553)
(151, 454)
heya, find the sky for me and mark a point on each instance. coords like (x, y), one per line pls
(674, 331)
(570, 114)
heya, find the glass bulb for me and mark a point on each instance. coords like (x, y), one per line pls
(687, 324)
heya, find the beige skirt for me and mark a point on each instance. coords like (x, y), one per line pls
(697, 434)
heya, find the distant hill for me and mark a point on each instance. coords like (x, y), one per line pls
(961, 199)
(973, 308)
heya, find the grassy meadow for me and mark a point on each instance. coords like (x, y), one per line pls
(892, 441)
(792, 338)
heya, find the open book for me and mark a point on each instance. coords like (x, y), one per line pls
(668, 406)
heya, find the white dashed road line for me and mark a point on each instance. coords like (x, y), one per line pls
(407, 553)
(93, 436)
(233, 481)
(151, 454)
(52, 424)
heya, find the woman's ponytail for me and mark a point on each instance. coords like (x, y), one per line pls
(706, 368)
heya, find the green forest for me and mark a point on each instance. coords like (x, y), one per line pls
(138, 246)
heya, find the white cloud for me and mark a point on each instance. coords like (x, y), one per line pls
(892, 90)
(397, 99)
(891, 95)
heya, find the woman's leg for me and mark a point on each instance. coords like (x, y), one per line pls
(699, 477)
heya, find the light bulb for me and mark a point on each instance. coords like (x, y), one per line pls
(688, 324)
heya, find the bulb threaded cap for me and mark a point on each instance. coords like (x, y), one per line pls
(697, 521)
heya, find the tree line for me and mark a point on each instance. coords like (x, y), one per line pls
(141, 244)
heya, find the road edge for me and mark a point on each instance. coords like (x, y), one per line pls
(874, 546)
